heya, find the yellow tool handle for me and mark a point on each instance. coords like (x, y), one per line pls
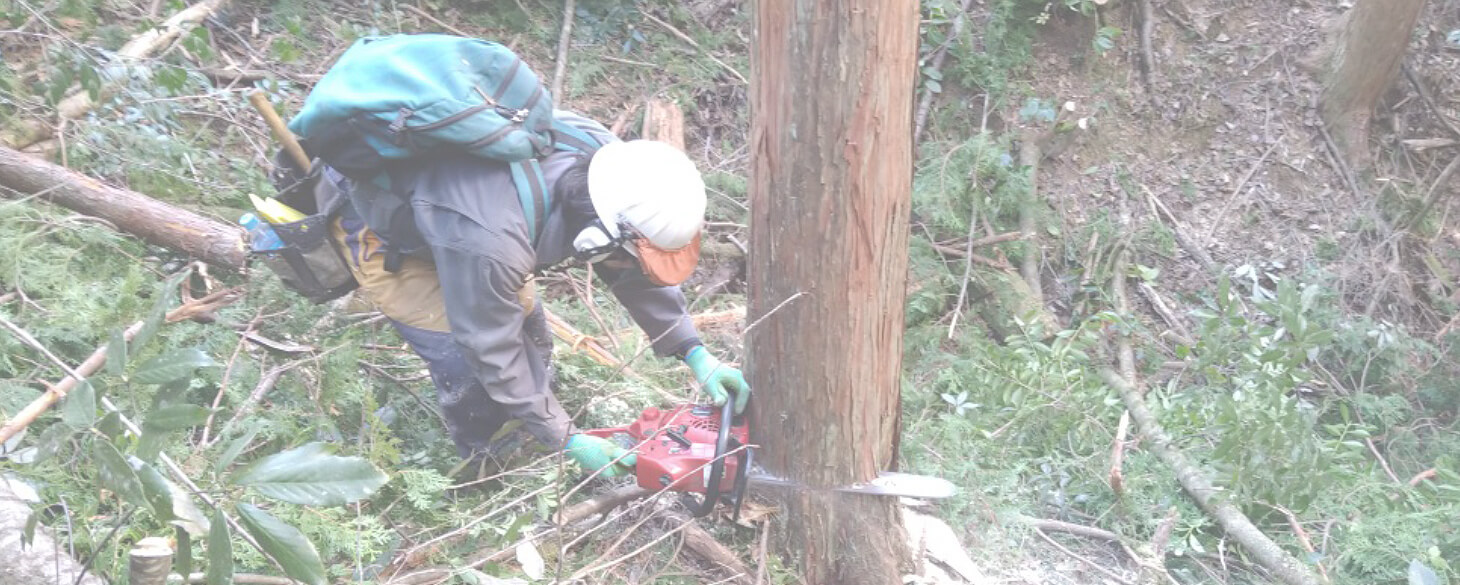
(281, 132)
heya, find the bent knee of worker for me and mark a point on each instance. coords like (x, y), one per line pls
(442, 355)
(410, 295)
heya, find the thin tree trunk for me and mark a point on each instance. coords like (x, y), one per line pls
(158, 223)
(1363, 64)
(830, 192)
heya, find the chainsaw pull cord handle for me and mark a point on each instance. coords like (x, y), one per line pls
(717, 466)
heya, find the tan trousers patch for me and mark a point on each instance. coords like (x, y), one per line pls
(410, 295)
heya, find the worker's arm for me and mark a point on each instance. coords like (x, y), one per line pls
(658, 310)
(661, 312)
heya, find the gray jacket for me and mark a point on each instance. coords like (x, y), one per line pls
(466, 216)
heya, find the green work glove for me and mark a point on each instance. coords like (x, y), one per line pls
(594, 453)
(719, 380)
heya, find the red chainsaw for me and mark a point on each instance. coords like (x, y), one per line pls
(696, 450)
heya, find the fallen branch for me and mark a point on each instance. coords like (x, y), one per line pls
(560, 67)
(577, 341)
(157, 223)
(97, 359)
(600, 503)
(1389, 471)
(1097, 566)
(434, 20)
(984, 260)
(1125, 355)
(1179, 230)
(1159, 304)
(691, 42)
(1236, 524)
(925, 103)
(140, 47)
(1429, 100)
(584, 572)
(1422, 476)
(1148, 56)
(718, 318)
(1432, 196)
(1303, 540)
(702, 544)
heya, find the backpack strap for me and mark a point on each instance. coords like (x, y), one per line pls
(532, 189)
(532, 192)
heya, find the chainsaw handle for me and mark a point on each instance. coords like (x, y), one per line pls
(717, 465)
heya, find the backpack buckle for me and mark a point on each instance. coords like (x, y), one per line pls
(513, 116)
(399, 124)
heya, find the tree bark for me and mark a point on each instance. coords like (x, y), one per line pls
(158, 223)
(44, 561)
(830, 193)
(1363, 64)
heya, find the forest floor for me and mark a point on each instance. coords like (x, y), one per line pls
(1195, 148)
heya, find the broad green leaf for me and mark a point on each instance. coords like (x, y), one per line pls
(111, 425)
(27, 534)
(220, 551)
(117, 475)
(183, 562)
(310, 475)
(175, 418)
(158, 312)
(172, 366)
(162, 421)
(171, 393)
(116, 353)
(80, 408)
(284, 543)
(170, 503)
(52, 439)
(235, 448)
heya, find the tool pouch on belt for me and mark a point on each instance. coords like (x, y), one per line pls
(308, 263)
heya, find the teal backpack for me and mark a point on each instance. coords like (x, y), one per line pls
(406, 96)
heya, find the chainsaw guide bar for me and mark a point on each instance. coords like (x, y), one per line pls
(887, 483)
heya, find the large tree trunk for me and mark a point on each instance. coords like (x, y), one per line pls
(158, 223)
(1362, 65)
(831, 182)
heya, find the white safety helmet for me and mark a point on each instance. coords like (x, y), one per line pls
(653, 189)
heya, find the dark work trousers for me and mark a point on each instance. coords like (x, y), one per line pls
(411, 298)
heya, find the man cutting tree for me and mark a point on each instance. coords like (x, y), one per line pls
(444, 234)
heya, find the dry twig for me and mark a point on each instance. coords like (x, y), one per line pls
(1094, 565)
(434, 20)
(691, 42)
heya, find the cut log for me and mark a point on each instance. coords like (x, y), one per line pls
(45, 560)
(142, 46)
(157, 223)
(664, 121)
